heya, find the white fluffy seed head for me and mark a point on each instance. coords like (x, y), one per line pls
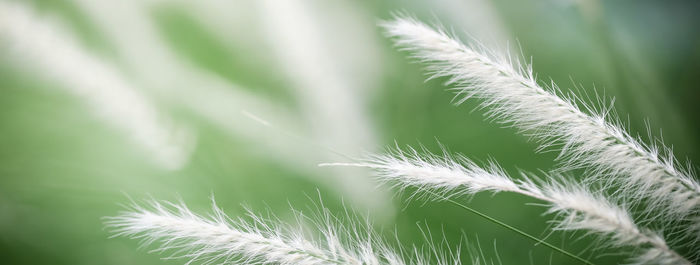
(579, 208)
(441, 174)
(511, 94)
(218, 239)
(576, 207)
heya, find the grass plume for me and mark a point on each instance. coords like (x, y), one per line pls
(577, 207)
(511, 94)
(219, 239)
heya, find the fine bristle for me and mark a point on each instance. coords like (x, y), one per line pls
(511, 94)
(577, 207)
(218, 239)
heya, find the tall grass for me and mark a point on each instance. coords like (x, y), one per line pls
(511, 94)
(587, 137)
(653, 195)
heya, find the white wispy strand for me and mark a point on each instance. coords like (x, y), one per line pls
(49, 50)
(511, 94)
(448, 177)
(218, 239)
(577, 207)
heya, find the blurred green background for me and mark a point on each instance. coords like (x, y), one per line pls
(326, 84)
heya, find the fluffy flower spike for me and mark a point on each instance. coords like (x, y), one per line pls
(511, 94)
(577, 207)
(218, 239)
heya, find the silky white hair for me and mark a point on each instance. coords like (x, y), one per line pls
(511, 94)
(219, 239)
(576, 207)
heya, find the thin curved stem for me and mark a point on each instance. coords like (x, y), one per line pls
(521, 232)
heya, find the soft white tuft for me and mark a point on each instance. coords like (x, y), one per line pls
(512, 95)
(440, 174)
(218, 239)
(577, 207)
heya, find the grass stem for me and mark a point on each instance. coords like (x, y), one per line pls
(522, 233)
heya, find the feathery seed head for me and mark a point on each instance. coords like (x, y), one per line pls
(577, 207)
(512, 95)
(218, 239)
(444, 175)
